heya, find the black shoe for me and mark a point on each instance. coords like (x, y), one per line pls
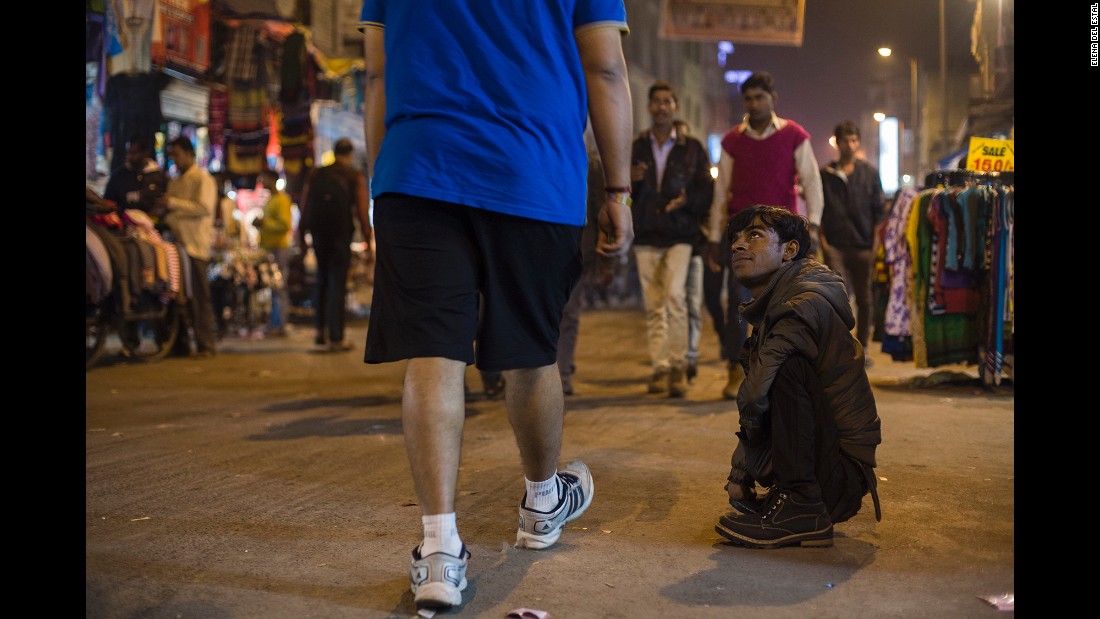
(692, 370)
(784, 522)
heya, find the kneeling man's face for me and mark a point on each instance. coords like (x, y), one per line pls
(756, 253)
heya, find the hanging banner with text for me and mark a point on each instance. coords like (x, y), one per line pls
(990, 155)
(766, 22)
(183, 40)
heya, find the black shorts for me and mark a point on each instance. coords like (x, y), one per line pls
(437, 261)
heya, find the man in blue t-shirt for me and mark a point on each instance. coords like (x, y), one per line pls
(474, 116)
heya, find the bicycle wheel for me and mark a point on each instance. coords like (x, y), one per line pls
(95, 335)
(149, 335)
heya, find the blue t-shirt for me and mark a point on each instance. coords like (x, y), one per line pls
(486, 102)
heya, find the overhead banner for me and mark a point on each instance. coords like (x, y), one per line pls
(764, 22)
(184, 36)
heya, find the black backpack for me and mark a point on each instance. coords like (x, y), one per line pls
(328, 210)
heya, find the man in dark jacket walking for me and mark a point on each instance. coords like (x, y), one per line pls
(809, 425)
(672, 186)
(853, 210)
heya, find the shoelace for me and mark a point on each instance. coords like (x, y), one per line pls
(774, 505)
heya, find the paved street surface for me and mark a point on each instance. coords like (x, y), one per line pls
(272, 481)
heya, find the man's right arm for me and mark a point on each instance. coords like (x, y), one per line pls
(374, 98)
(609, 108)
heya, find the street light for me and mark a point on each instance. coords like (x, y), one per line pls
(914, 109)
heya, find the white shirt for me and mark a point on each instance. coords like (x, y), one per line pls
(192, 198)
(660, 153)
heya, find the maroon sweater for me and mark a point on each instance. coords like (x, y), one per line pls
(763, 170)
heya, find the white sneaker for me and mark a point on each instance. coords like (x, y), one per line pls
(439, 578)
(538, 530)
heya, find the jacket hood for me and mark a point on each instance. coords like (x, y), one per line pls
(799, 277)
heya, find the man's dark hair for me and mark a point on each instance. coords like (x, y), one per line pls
(846, 127)
(184, 143)
(343, 147)
(140, 142)
(788, 226)
(663, 85)
(760, 79)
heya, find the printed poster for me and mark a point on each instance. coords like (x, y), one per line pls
(763, 22)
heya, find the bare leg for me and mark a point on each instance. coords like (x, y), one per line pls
(536, 408)
(433, 410)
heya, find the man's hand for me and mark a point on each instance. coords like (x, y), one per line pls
(676, 202)
(616, 226)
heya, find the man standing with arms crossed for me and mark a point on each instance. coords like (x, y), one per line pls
(763, 160)
(479, 189)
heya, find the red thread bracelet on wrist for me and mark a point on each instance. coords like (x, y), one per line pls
(618, 189)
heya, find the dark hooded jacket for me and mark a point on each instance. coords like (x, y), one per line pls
(805, 311)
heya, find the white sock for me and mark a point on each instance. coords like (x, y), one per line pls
(440, 534)
(543, 496)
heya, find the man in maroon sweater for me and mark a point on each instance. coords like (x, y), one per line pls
(764, 159)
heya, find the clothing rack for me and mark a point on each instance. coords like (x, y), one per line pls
(948, 253)
(955, 176)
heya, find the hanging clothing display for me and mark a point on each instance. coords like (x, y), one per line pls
(134, 25)
(947, 252)
(246, 134)
(132, 106)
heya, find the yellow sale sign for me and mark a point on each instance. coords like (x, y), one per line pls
(989, 155)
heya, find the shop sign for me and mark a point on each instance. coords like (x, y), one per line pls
(189, 103)
(184, 39)
(990, 155)
(764, 22)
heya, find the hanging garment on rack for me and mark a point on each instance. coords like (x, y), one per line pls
(896, 339)
(132, 106)
(1000, 223)
(948, 253)
(97, 267)
(944, 338)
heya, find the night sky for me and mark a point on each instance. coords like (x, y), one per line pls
(826, 79)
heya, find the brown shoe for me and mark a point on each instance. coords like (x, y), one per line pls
(677, 383)
(658, 383)
(733, 383)
(343, 346)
